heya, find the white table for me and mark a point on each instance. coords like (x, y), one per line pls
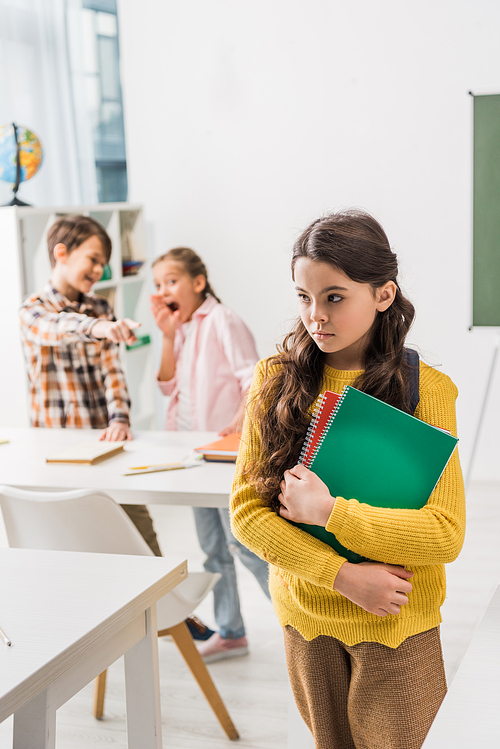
(468, 716)
(69, 616)
(22, 464)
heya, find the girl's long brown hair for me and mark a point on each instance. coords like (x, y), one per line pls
(356, 244)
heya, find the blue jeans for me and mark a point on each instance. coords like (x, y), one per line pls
(219, 544)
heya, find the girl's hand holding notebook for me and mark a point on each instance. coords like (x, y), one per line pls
(304, 497)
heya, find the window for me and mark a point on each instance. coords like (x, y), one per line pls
(103, 96)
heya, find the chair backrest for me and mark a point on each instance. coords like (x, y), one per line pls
(182, 600)
(85, 520)
(80, 520)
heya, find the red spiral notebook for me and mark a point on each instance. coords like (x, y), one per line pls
(319, 422)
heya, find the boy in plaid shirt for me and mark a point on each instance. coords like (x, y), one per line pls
(70, 340)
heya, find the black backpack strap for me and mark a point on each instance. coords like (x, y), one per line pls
(411, 357)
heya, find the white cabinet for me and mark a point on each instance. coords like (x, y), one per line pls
(26, 268)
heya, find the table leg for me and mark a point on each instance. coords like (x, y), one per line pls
(142, 687)
(35, 724)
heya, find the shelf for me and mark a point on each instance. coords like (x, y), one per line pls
(104, 285)
(72, 210)
(137, 278)
(24, 230)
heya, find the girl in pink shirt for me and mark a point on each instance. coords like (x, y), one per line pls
(207, 363)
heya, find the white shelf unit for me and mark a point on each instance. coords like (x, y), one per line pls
(26, 269)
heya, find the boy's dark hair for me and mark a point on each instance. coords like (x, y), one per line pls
(72, 231)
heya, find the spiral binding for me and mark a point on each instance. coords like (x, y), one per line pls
(326, 427)
(317, 409)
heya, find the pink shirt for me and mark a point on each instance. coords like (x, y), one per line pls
(222, 367)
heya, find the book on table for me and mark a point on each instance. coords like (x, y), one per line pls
(365, 449)
(87, 453)
(224, 450)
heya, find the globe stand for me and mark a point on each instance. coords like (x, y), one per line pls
(15, 200)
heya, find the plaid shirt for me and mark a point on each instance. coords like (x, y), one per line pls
(76, 380)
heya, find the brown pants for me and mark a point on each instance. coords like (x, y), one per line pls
(366, 696)
(142, 520)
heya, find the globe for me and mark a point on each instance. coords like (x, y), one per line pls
(14, 138)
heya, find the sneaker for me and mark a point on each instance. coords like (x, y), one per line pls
(218, 649)
(199, 631)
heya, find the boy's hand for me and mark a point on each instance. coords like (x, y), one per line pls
(167, 320)
(116, 432)
(378, 588)
(304, 497)
(118, 331)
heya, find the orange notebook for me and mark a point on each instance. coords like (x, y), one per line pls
(224, 450)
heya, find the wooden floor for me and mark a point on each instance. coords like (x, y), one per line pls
(255, 687)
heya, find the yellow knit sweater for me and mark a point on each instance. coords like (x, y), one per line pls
(303, 569)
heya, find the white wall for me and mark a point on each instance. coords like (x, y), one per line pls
(245, 120)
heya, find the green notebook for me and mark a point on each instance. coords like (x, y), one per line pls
(377, 454)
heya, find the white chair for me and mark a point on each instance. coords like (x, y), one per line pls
(84, 520)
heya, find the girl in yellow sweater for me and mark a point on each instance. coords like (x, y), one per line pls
(362, 640)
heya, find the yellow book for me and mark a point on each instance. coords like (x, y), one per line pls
(88, 453)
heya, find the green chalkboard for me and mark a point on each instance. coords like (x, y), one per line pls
(486, 212)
